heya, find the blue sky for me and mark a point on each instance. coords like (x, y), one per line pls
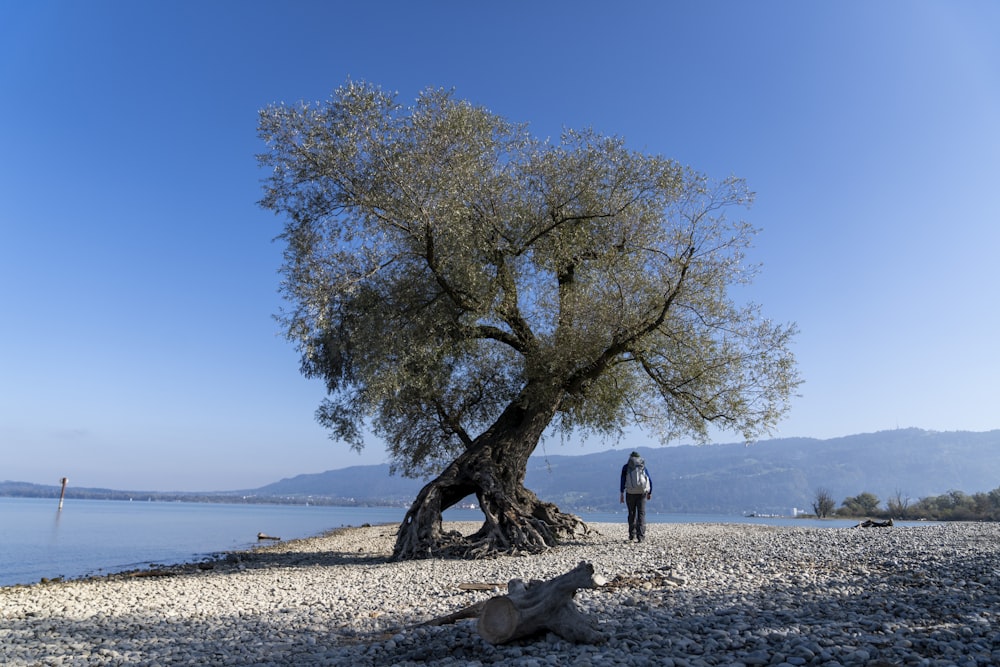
(138, 275)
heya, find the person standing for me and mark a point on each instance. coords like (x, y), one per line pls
(636, 489)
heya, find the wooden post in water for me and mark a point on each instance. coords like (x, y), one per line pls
(62, 495)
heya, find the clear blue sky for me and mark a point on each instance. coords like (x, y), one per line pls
(138, 276)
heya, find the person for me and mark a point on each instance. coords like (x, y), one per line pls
(636, 489)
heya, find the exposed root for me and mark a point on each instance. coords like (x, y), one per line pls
(515, 531)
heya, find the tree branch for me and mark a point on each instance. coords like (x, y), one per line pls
(622, 343)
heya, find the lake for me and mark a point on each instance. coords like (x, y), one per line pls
(95, 537)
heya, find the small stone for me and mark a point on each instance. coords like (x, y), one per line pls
(757, 658)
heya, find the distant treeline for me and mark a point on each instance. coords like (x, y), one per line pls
(951, 506)
(25, 490)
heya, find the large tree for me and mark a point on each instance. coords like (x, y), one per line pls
(463, 287)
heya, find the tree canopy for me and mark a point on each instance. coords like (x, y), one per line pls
(462, 287)
(439, 260)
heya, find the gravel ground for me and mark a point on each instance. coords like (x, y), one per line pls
(690, 595)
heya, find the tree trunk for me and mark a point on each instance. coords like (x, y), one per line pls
(493, 468)
(539, 606)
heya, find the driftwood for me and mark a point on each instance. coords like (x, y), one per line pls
(265, 536)
(868, 523)
(537, 606)
(480, 586)
(472, 611)
(531, 608)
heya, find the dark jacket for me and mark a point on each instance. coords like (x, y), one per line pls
(638, 459)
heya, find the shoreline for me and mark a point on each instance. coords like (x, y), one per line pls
(210, 560)
(216, 561)
(127, 548)
(711, 594)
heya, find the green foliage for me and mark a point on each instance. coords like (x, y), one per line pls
(959, 506)
(864, 504)
(951, 506)
(441, 264)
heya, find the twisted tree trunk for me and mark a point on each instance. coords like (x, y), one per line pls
(493, 468)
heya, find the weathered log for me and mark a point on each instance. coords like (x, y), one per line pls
(480, 586)
(265, 536)
(868, 523)
(472, 611)
(539, 606)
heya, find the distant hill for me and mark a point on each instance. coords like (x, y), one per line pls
(777, 475)
(771, 476)
(371, 484)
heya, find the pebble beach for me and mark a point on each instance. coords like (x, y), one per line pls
(690, 595)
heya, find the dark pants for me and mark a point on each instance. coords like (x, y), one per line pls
(636, 503)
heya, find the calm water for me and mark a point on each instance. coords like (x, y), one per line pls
(102, 536)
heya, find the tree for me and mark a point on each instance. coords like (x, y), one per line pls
(464, 288)
(862, 504)
(898, 505)
(824, 503)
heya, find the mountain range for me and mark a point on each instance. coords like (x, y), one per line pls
(770, 476)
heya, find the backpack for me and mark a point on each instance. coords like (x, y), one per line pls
(636, 480)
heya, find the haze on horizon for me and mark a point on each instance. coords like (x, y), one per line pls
(138, 276)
